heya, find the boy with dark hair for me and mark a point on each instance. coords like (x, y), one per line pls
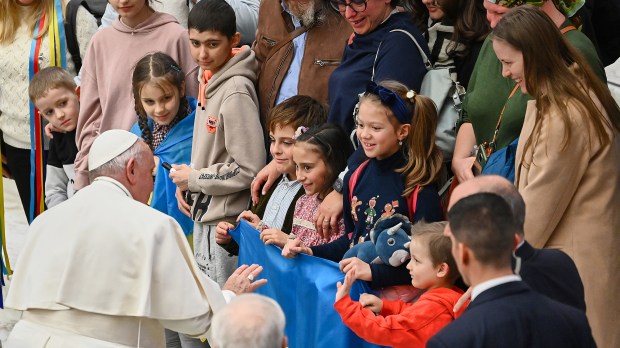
(53, 91)
(227, 150)
(401, 324)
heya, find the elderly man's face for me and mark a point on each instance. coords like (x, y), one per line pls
(144, 174)
(304, 10)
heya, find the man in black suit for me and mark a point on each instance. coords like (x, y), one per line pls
(504, 311)
(550, 272)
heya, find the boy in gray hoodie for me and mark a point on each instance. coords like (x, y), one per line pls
(228, 148)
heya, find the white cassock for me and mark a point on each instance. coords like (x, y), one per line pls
(103, 270)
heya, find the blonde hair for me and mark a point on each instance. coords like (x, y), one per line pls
(11, 12)
(424, 159)
(50, 78)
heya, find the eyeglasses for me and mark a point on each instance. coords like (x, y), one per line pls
(355, 5)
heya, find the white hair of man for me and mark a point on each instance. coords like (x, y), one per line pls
(249, 320)
(116, 166)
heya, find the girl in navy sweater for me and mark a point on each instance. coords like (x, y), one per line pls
(396, 129)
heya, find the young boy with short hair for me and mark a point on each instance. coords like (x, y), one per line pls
(400, 324)
(53, 92)
(228, 148)
(273, 214)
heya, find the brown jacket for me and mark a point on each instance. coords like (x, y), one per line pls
(572, 197)
(325, 43)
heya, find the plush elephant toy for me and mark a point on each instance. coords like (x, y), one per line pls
(388, 244)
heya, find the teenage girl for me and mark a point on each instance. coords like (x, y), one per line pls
(166, 123)
(32, 37)
(274, 213)
(396, 129)
(105, 101)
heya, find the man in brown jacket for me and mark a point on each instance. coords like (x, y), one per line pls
(302, 64)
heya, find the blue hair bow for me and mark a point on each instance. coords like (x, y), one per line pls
(391, 100)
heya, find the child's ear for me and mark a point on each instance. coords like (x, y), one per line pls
(443, 270)
(236, 39)
(182, 89)
(403, 131)
(77, 91)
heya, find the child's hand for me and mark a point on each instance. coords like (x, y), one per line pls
(49, 128)
(180, 175)
(182, 204)
(371, 302)
(362, 269)
(274, 236)
(222, 236)
(344, 289)
(294, 247)
(250, 217)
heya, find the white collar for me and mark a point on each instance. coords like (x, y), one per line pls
(486, 285)
(108, 181)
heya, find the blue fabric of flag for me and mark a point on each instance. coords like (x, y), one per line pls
(305, 288)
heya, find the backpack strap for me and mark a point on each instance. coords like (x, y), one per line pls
(356, 175)
(412, 202)
(412, 199)
(71, 33)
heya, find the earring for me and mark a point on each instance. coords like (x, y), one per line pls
(400, 143)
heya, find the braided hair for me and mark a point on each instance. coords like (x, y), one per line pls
(160, 69)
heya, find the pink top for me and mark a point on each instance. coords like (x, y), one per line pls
(306, 209)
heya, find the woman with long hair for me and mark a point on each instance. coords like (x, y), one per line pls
(568, 157)
(32, 37)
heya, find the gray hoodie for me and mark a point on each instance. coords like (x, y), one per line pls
(228, 148)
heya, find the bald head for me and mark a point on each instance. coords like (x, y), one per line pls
(493, 184)
(249, 320)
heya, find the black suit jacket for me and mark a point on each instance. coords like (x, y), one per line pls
(512, 315)
(552, 273)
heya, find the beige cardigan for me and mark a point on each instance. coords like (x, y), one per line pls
(572, 199)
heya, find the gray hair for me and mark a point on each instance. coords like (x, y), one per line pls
(249, 320)
(116, 166)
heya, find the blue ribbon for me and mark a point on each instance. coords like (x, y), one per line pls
(391, 100)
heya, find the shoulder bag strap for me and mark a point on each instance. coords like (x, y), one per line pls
(567, 29)
(427, 62)
(290, 37)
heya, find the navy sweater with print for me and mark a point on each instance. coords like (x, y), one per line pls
(378, 191)
(398, 59)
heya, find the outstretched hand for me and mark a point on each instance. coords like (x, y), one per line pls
(294, 247)
(345, 288)
(362, 269)
(242, 280)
